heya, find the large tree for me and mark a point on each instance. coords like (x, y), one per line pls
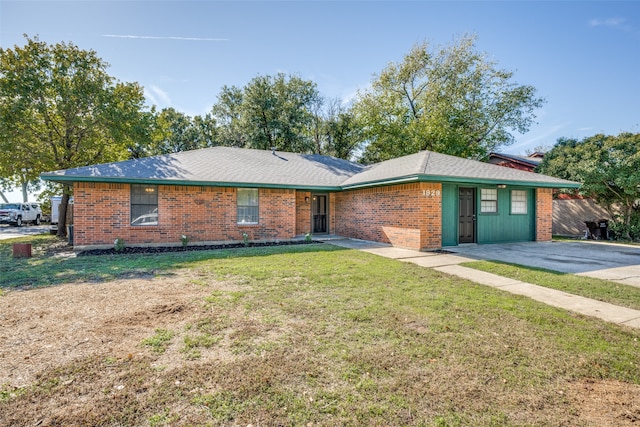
(450, 99)
(269, 112)
(608, 168)
(174, 131)
(336, 132)
(59, 108)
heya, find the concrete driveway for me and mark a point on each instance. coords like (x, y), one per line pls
(610, 261)
(9, 232)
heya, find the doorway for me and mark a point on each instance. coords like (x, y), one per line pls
(319, 214)
(467, 215)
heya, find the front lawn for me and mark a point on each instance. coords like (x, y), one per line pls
(311, 335)
(589, 287)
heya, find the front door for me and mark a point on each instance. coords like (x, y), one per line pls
(319, 214)
(467, 215)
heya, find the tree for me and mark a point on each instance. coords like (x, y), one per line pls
(340, 135)
(174, 131)
(59, 108)
(227, 116)
(269, 112)
(608, 168)
(451, 100)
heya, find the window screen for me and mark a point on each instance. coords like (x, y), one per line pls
(489, 200)
(144, 205)
(247, 205)
(518, 202)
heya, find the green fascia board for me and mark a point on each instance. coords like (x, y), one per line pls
(458, 180)
(382, 182)
(536, 184)
(72, 179)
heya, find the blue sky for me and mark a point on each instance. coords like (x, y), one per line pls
(583, 57)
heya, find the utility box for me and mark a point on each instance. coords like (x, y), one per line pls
(22, 250)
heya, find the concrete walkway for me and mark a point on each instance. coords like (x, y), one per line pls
(450, 264)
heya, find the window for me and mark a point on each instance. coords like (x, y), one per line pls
(144, 205)
(247, 205)
(518, 202)
(489, 200)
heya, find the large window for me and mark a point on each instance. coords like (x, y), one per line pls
(518, 202)
(144, 205)
(488, 200)
(247, 205)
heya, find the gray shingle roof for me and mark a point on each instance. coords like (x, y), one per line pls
(431, 166)
(228, 166)
(220, 165)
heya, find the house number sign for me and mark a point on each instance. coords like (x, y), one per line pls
(431, 193)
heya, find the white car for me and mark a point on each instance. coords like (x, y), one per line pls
(20, 213)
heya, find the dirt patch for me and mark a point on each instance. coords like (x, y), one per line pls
(606, 403)
(45, 328)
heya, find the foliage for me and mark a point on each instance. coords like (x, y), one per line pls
(608, 168)
(269, 112)
(286, 113)
(59, 109)
(119, 244)
(448, 99)
(184, 240)
(174, 131)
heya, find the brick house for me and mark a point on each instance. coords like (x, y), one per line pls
(421, 201)
(525, 163)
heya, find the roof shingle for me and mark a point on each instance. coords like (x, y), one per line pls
(229, 166)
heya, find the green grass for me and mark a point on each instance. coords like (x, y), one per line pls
(160, 341)
(43, 269)
(324, 336)
(598, 289)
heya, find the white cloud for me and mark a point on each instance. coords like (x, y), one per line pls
(617, 23)
(156, 95)
(544, 136)
(197, 39)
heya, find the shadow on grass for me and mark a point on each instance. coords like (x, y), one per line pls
(588, 287)
(48, 268)
(509, 264)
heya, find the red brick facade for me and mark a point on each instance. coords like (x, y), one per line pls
(303, 212)
(544, 214)
(203, 214)
(407, 215)
(404, 215)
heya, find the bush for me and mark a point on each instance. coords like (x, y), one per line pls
(618, 230)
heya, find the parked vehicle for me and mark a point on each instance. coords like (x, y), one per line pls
(55, 208)
(20, 213)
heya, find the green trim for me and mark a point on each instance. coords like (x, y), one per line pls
(375, 183)
(71, 179)
(459, 180)
(534, 184)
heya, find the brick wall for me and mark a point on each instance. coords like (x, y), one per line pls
(303, 212)
(204, 214)
(407, 215)
(544, 214)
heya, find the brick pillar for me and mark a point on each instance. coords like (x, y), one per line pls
(544, 214)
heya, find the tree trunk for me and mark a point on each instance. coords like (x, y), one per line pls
(62, 213)
(25, 193)
(3, 197)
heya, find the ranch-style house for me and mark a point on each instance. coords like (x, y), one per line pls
(423, 201)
